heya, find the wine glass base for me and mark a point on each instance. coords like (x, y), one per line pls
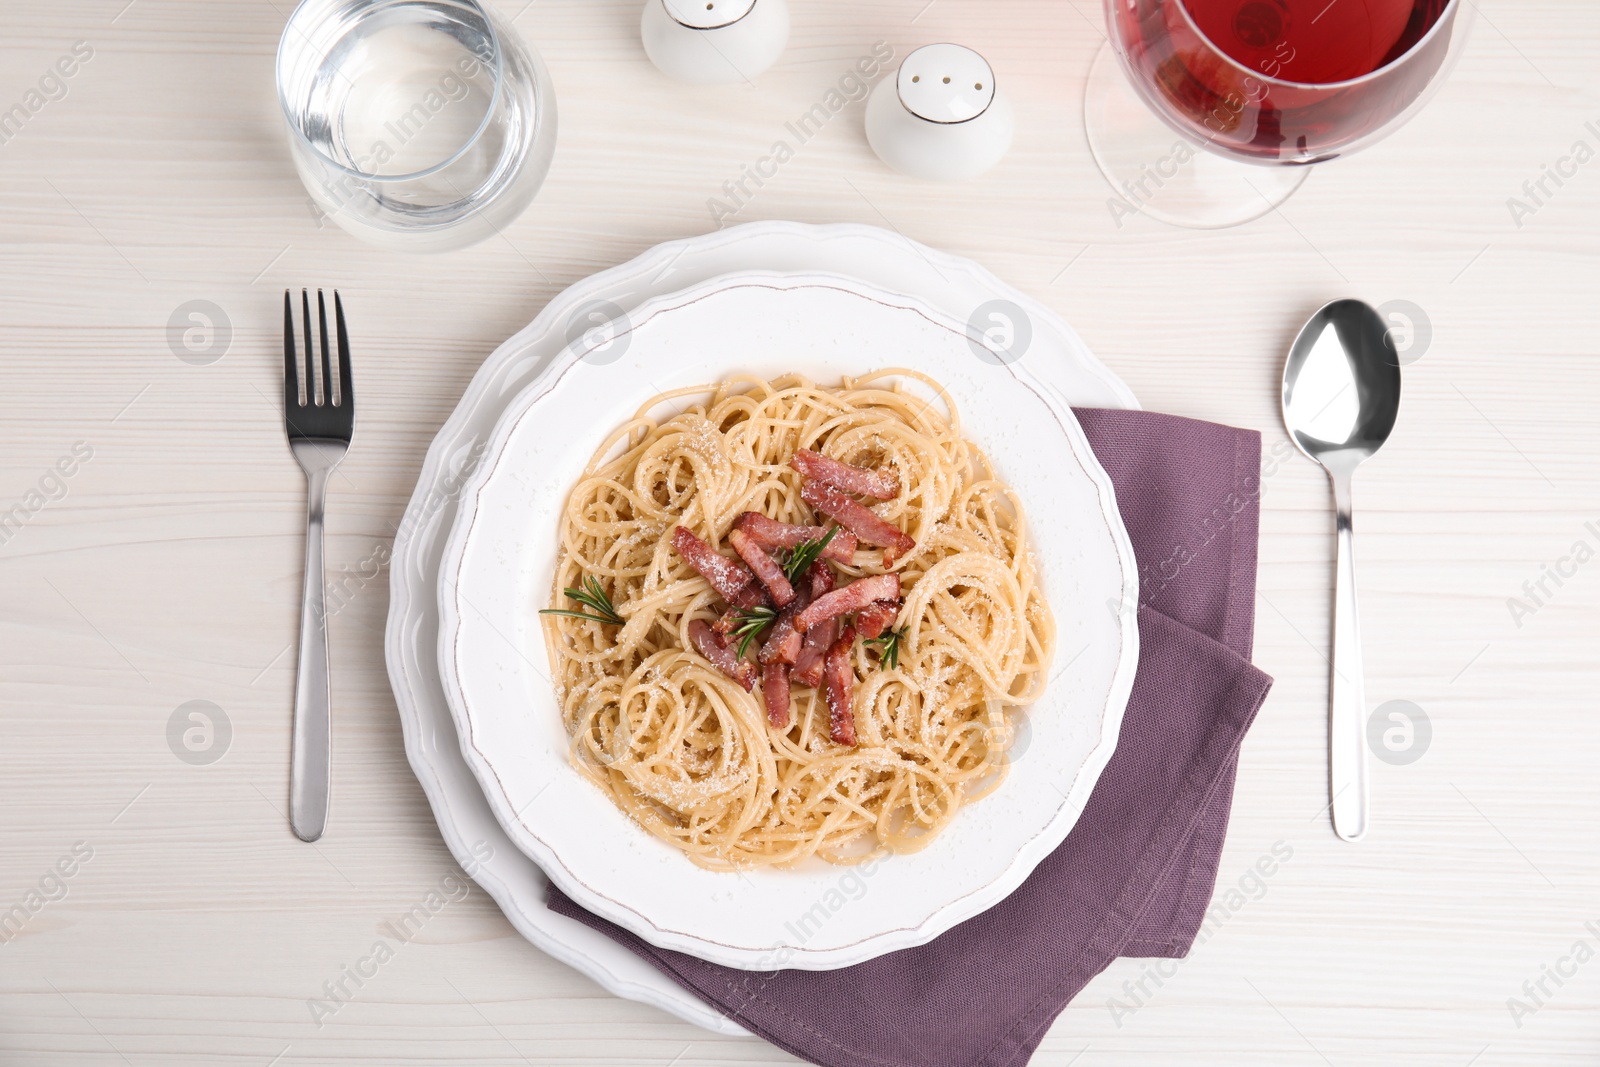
(1156, 171)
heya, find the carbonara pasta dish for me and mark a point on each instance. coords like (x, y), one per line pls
(795, 620)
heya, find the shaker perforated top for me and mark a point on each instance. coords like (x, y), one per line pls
(708, 14)
(946, 83)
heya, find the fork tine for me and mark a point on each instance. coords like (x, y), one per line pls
(291, 371)
(346, 395)
(313, 397)
(327, 370)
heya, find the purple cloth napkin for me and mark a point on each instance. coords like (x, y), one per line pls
(1134, 876)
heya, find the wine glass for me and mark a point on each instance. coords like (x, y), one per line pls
(1199, 87)
(421, 125)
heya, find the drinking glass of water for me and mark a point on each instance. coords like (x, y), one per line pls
(424, 125)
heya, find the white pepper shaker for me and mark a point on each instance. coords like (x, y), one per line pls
(941, 116)
(706, 42)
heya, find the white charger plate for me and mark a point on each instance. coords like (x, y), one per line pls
(498, 570)
(465, 821)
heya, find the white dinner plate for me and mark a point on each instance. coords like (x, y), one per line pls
(465, 821)
(498, 570)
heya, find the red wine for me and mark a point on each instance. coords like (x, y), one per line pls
(1317, 41)
(1272, 79)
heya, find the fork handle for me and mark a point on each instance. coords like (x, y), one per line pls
(309, 775)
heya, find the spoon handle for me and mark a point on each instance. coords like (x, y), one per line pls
(1347, 752)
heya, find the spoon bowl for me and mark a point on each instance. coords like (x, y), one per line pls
(1341, 385)
(1341, 396)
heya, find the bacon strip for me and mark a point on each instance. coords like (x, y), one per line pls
(715, 648)
(821, 578)
(735, 584)
(839, 680)
(783, 640)
(877, 617)
(783, 644)
(771, 534)
(864, 523)
(853, 597)
(751, 596)
(808, 667)
(775, 691)
(765, 567)
(884, 485)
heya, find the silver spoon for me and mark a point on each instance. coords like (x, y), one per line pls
(1341, 393)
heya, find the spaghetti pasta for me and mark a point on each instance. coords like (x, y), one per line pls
(686, 750)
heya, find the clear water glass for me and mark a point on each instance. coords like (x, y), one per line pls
(422, 125)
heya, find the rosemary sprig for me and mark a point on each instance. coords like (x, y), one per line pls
(748, 624)
(591, 595)
(888, 647)
(803, 555)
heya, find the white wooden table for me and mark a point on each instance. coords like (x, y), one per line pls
(166, 567)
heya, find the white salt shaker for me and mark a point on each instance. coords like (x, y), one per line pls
(941, 116)
(704, 42)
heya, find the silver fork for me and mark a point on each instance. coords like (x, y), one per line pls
(319, 427)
